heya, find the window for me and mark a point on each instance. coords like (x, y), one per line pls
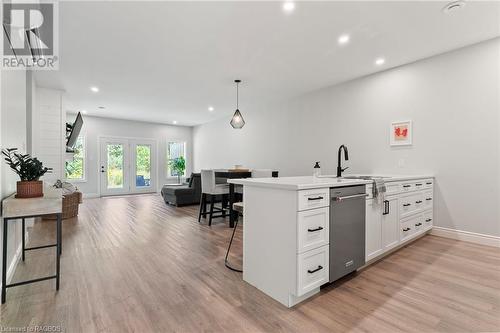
(176, 151)
(75, 169)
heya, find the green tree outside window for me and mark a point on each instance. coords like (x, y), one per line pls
(75, 169)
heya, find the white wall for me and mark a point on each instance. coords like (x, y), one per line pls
(95, 127)
(453, 100)
(12, 135)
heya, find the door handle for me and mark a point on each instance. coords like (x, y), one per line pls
(338, 199)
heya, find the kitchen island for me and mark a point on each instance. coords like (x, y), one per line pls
(286, 236)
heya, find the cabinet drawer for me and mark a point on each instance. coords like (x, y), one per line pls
(313, 228)
(408, 228)
(407, 187)
(315, 198)
(410, 204)
(418, 223)
(428, 219)
(428, 183)
(428, 197)
(313, 269)
(392, 188)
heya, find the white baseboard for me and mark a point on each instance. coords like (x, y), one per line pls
(13, 263)
(466, 236)
(90, 195)
(15, 260)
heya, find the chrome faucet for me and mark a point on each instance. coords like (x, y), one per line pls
(346, 157)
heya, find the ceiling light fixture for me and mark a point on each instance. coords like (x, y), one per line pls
(288, 6)
(101, 107)
(84, 111)
(453, 6)
(210, 108)
(379, 61)
(344, 39)
(237, 120)
(94, 89)
(174, 122)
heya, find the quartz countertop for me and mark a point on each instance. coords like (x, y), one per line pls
(299, 183)
(310, 182)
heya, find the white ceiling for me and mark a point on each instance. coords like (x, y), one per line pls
(166, 61)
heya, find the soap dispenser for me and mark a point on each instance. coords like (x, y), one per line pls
(317, 170)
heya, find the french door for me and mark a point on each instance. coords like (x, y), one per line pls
(127, 166)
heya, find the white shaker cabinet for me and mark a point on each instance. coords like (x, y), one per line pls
(405, 213)
(373, 230)
(390, 223)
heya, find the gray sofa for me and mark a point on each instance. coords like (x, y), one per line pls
(188, 194)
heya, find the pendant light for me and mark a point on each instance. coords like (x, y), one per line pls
(237, 120)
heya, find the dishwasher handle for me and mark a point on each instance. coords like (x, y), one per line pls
(354, 196)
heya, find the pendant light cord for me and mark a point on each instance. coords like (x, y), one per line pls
(237, 94)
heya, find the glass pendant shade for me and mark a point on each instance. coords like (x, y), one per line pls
(237, 120)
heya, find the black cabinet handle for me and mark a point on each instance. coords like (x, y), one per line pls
(419, 201)
(418, 184)
(317, 198)
(315, 270)
(406, 205)
(428, 220)
(418, 224)
(406, 185)
(428, 199)
(317, 229)
(386, 207)
(406, 229)
(429, 183)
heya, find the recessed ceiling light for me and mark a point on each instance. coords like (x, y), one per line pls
(344, 39)
(288, 6)
(453, 6)
(84, 111)
(101, 107)
(210, 108)
(174, 122)
(379, 61)
(94, 89)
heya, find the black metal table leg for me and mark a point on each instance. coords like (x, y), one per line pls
(226, 262)
(4, 260)
(231, 202)
(24, 237)
(58, 251)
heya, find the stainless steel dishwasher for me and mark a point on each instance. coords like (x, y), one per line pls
(347, 230)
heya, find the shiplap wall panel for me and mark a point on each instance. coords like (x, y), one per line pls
(49, 132)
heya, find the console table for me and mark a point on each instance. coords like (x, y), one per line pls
(14, 209)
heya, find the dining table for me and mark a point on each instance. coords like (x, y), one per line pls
(234, 174)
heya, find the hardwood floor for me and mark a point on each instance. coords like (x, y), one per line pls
(132, 264)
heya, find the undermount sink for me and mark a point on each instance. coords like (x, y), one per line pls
(365, 177)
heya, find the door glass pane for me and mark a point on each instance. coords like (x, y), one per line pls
(143, 166)
(115, 166)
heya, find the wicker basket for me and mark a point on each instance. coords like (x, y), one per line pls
(70, 205)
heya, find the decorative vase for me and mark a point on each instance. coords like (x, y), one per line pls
(29, 189)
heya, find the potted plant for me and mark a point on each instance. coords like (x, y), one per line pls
(29, 169)
(177, 166)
